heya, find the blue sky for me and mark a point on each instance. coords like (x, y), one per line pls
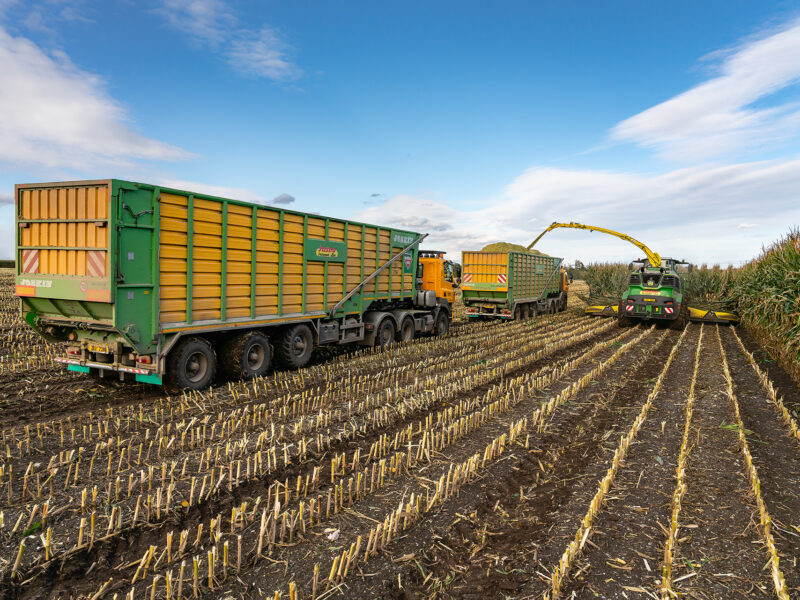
(675, 122)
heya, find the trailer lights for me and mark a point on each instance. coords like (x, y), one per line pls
(73, 351)
(145, 359)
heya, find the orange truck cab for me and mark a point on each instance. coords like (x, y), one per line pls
(439, 275)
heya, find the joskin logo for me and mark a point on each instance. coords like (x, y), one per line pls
(407, 260)
(42, 283)
(402, 239)
(327, 252)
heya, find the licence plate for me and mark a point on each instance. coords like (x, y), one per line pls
(651, 292)
(99, 348)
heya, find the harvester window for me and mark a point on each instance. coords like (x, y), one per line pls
(448, 272)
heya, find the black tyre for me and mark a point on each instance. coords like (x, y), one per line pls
(534, 310)
(442, 325)
(295, 346)
(526, 311)
(386, 333)
(193, 364)
(680, 321)
(246, 355)
(623, 320)
(406, 333)
(518, 312)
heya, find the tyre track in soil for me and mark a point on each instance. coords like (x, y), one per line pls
(121, 549)
(628, 534)
(721, 553)
(489, 542)
(361, 516)
(776, 455)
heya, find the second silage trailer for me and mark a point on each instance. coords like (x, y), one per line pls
(150, 283)
(512, 285)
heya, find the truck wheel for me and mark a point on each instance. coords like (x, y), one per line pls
(247, 355)
(193, 364)
(406, 333)
(442, 324)
(386, 333)
(295, 347)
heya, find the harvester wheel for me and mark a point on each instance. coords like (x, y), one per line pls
(295, 346)
(623, 320)
(680, 321)
(193, 364)
(246, 355)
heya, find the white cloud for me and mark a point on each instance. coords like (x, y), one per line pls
(261, 54)
(56, 115)
(691, 213)
(250, 52)
(718, 116)
(232, 193)
(745, 225)
(6, 199)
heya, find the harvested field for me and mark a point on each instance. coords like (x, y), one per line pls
(556, 457)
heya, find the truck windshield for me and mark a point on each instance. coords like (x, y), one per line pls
(448, 272)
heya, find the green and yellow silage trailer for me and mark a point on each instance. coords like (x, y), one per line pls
(149, 282)
(512, 285)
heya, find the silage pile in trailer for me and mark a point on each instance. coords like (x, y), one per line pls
(767, 292)
(507, 247)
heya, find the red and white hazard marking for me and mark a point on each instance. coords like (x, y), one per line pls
(668, 309)
(96, 263)
(30, 261)
(502, 279)
(629, 307)
(467, 278)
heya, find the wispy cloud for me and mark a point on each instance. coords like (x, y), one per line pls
(206, 20)
(251, 52)
(670, 212)
(55, 114)
(719, 116)
(745, 225)
(261, 54)
(6, 199)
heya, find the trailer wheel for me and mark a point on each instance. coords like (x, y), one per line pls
(534, 310)
(247, 355)
(407, 331)
(526, 311)
(193, 364)
(518, 312)
(442, 324)
(386, 333)
(295, 347)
